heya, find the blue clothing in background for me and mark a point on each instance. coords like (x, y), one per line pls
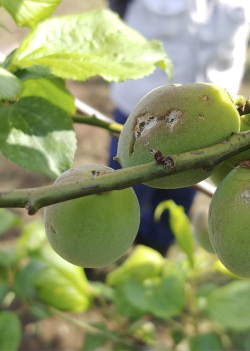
(151, 233)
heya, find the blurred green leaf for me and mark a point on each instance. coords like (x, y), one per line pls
(26, 277)
(177, 335)
(10, 86)
(95, 342)
(101, 289)
(123, 305)
(28, 13)
(85, 45)
(8, 220)
(180, 226)
(205, 342)
(143, 331)
(230, 305)
(7, 257)
(10, 331)
(31, 239)
(161, 297)
(36, 134)
(53, 90)
(40, 312)
(61, 284)
(4, 289)
(143, 263)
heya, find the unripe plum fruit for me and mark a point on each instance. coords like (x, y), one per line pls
(94, 230)
(200, 229)
(229, 229)
(176, 119)
(227, 166)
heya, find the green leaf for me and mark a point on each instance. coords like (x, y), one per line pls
(143, 263)
(4, 289)
(31, 239)
(25, 279)
(40, 312)
(36, 134)
(161, 297)
(95, 342)
(27, 13)
(10, 86)
(10, 331)
(100, 289)
(123, 305)
(177, 335)
(53, 90)
(204, 342)
(180, 226)
(7, 257)
(143, 331)
(8, 220)
(61, 284)
(229, 305)
(85, 45)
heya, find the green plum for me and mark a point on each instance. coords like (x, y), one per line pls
(229, 229)
(227, 166)
(175, 119)
(94, 230)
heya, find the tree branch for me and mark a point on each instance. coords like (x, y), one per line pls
(93, 120)
(35, 198)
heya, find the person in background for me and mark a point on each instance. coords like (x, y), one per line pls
(206, 41)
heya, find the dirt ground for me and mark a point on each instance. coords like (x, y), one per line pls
(93, 147)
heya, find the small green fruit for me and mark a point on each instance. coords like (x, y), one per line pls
(94, 230)
(175, 119)
(229, 229)
(200, 229)
(227, 166)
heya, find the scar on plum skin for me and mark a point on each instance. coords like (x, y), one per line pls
(205, 98)
(143, 123)
(173, 118)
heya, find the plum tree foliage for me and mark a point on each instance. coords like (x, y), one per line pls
(176, 136)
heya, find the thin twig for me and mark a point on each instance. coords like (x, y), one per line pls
(90, 329)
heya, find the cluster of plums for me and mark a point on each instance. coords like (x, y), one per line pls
(95, 230)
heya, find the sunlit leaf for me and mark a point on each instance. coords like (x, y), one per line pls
(36, 134)
(28, 13)
(61, 284)
(85, 45)
(10, 86)
(53, 90)
(180, 226)
(143, 263)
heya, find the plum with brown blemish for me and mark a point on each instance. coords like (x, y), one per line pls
(176, 119)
